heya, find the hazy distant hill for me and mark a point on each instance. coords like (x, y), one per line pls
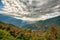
(38, 25)
(45, 24)
(14, 21)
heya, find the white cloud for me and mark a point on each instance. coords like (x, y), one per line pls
(31, 10)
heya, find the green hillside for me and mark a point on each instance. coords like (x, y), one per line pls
(11, 32)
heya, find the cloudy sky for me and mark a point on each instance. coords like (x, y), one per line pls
(30, 10)
(1, 5)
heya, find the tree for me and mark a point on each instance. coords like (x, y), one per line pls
(53, 33)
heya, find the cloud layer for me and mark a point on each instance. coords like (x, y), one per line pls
(31, 10)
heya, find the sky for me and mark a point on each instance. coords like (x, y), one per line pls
(1, 5)
(34, 10)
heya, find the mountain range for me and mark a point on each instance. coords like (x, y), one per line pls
(45, 24)
(14, 21)
(42, 24)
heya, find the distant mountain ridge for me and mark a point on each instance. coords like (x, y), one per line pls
(45, 24)
(14, 21)
(42, 24)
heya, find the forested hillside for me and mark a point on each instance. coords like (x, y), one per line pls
(11, 32)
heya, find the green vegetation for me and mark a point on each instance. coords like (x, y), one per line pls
(11, 32)
(4, 35)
